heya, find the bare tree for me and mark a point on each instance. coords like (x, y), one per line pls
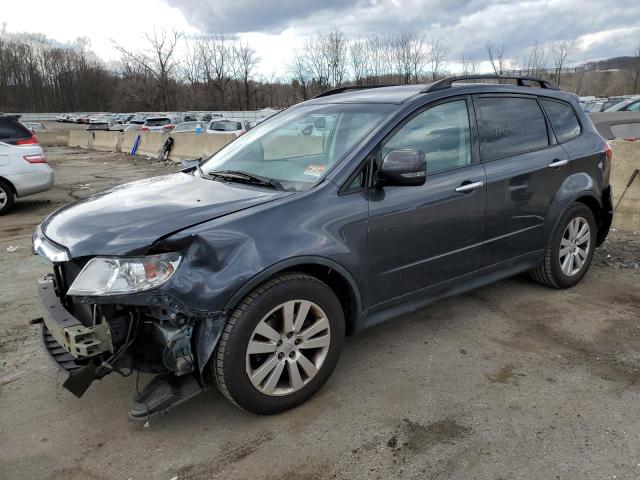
(496, 58)
(535, 62)
(334, 46)
(245, 61)
(358, 60)
(470, 66)
(438, 54)
(158, 60)
(633, 72)
(300, 75)
(560, 52)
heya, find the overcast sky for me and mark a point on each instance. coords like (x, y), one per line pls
(601, 28)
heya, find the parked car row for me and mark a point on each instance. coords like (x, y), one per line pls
(623, 103)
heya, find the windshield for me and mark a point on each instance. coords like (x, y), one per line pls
(225, 126)
(157, 122)
(300, 145)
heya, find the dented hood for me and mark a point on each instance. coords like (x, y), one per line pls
(126, 220)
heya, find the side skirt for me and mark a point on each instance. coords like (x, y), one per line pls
(432, 294)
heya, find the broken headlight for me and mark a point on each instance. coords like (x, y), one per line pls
(117, 276)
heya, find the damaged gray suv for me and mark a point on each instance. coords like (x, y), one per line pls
(247, 270)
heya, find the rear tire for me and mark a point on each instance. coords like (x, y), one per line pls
(6, 197)
(280, 345)
(569, 250)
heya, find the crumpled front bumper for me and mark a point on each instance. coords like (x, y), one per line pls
(63, 333)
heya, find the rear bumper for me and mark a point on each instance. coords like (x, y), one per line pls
(36, 181)
(606, 216)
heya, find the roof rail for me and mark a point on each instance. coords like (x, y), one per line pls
(448, 82)
(347, 88)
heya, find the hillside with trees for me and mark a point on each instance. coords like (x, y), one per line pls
(170, 71)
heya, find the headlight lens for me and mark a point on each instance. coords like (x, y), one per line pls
(117, 276)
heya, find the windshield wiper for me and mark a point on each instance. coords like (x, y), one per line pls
(236, 175)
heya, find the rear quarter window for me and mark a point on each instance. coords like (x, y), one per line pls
(11, 129)
(563, 119)
(509, 126)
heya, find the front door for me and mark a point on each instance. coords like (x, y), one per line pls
(422, 236)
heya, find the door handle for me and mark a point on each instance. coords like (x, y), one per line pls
(468, 187)
(558, 163)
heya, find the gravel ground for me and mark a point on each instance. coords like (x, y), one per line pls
(511, 381)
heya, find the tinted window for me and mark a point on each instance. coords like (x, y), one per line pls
(509, 126)
(157, 122)
(10, 128)
(441, 133)
(223, 126)
(563, 120)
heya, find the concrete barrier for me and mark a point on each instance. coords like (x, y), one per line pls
(191, 146)
(626, 158)
(107, 141)
(150, 143)
(80, 138)
(127, 140)
(50, 139)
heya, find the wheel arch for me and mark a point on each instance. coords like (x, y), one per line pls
(591, 201)
(13, 187)
(330, 272)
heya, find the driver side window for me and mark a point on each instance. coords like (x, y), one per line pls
(442, 133)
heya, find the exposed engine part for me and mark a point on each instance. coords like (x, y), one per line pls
(177, 356)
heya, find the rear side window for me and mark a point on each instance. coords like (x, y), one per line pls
(509, 126)
(563, 120)
(12, 130)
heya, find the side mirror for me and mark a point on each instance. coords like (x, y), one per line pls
(405, 167)
(319, 123)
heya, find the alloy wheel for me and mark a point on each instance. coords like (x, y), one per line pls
(574, 246)
(3, 197)
(288, 347)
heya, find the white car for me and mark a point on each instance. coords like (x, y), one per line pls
(163, 123)
(23, 165)
(236, 127)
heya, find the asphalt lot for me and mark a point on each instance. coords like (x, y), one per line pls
(511, 381)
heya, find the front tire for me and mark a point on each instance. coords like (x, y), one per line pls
(570, 249)
(280, 345)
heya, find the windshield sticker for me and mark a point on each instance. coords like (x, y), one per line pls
(314, 170)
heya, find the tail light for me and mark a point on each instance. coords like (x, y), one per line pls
(32, 140)
(169, 127)
(39, 158)
(607, 150)
(144, 129)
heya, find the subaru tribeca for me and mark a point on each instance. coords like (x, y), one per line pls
(247, 270)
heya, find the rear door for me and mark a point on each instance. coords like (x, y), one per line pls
(525, 169)
(424, 236)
